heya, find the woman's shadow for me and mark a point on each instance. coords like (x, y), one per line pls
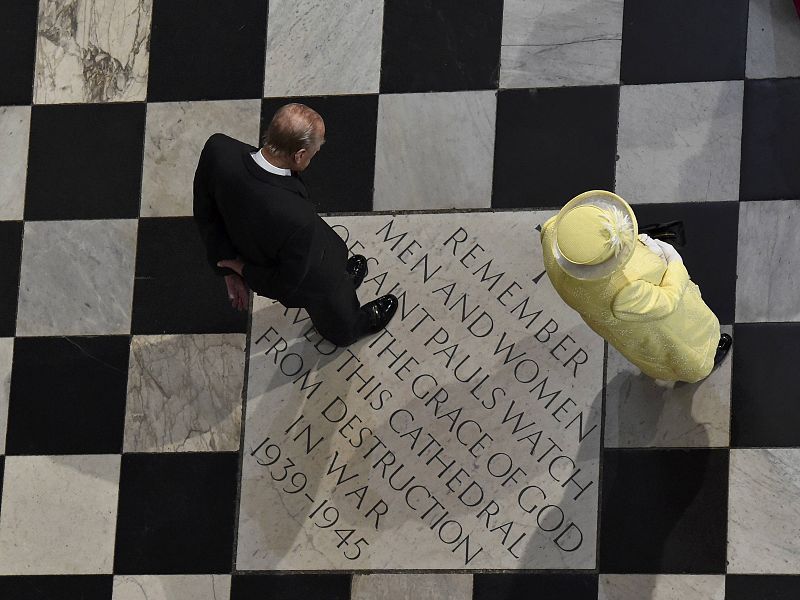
(632, 538)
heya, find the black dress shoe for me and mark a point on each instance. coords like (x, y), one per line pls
(379, 312)
(724, 346)
(357, 268)
(672, 232)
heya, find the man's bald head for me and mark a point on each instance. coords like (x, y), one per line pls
(294, 127)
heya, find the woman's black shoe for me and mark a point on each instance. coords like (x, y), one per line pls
(380, 312)
(672, 232)
(724, 346)
(357, 268)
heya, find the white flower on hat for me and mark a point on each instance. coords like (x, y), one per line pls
(619, 227)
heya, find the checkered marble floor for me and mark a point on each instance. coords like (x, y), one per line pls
(122, 365)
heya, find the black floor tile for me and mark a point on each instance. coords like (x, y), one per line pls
(683, 40)
(341, 176)
(553, 144)
(207, 50)
(762, 587)
(68, 395)
(62, 587)
(176, 513)
(765, 399)
(290, 587)
(441, 46)
(10, 257)
(710, 251)
(664, 511)
(770, 134)
(17, 51)
(85, 161)
(539, 586)
(176, 291)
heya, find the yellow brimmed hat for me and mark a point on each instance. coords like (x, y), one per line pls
(594, 235)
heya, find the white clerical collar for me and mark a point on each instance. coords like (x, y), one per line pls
(268, 166)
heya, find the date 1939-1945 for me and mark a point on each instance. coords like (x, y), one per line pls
(324, 515)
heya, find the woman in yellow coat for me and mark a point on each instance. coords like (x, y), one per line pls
(630, 289)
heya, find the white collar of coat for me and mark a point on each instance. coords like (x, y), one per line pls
(268, 166)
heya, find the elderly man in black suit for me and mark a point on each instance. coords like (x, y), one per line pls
(262, 232)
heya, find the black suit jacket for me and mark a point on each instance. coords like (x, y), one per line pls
(268, 220)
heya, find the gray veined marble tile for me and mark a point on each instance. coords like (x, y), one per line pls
(175, 133)
(435, 150)
(77, 278)
(92, 51)
(316, 48)
(773, 40)
(661, 587)
(59, 514)
(764, 511)
(429, 586)
(768, 262)
(185, 393)
(643, 414)
(172, 587)
(680, 142)
(6, 356)
(569, 42)
(15, 123)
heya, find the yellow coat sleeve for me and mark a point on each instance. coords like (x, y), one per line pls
(644, 301)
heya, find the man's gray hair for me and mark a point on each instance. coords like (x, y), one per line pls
(293, 127)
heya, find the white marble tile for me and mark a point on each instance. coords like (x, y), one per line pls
(455, 373)
(768, 262)
(175, 133)
(680, 142)
(76, 277)
(59, 514)
(185, 393)
(316, 48)
(429, 586)
(435, 150)
(641, 413)
(552, 44)
(92, 51)
(661, 587)
(15, 124)
(773, 40)
(172, 587)
(6, 357)
(764, 511)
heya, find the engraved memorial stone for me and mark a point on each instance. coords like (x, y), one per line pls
(464, 436)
